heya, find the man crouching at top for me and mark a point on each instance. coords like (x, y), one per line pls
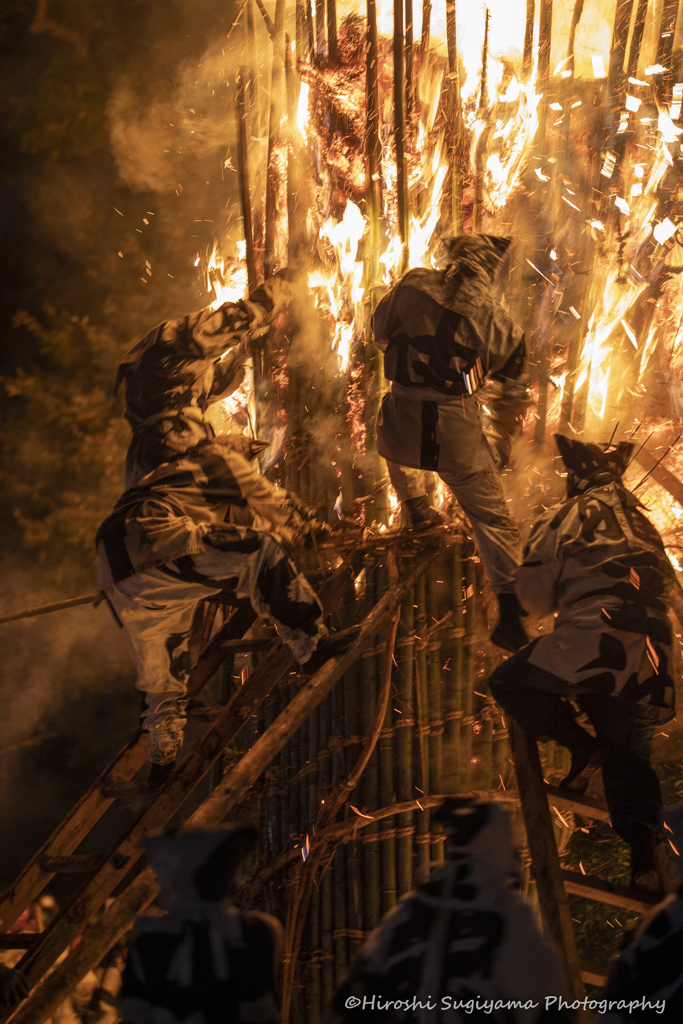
(443, 333)
(169, 544)
(183, 367)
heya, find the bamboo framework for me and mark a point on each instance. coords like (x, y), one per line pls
(340, 772)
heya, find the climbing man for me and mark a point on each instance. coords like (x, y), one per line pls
(443, 333)
(464, 945)
(170, 544)
(599, 564)
(182, 367)
(204, 961)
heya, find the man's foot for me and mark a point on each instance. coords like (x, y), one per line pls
(329, 647)
(509, 632)
(584, 766)
(647, 880)
(421, 515)
(159, 773)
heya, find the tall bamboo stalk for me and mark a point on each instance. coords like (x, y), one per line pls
(332, 44)
(326, 940)
(667, 31)
(422, 716)
(272, 175)
(371, 776)
(314, 973)
(454, 106)
(615, 78)
(528, 54)
(481, 144)
(434, 700)
(243, 177)
(405, 728)
(545, 32)
(425, 31)
(254, 99)
(400, 134)
(320, 30)
(453, 694)
(468, 667)
(373, 197)
(409, 59)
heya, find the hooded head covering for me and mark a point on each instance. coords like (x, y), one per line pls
(475, 255)
(198, 864)
(482, 833)
(277, 291)
(592, 465)
(195, 869)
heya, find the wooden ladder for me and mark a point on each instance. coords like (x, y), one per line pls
(552, 881)
(123, 864)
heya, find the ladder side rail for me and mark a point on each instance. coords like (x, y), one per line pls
(543, 851)
(170, 797)
(116, 918)
(85, 814)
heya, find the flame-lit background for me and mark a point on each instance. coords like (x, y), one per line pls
(121, 208)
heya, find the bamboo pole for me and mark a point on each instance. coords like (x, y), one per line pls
(385, 748)
(370, 779)
(320, 31)
(405, 728)
(546, 865)
(637, 38)
(400, 135)
(468, 668)
(481, 144)
(425, 31)
(409, 55)
(314, 986)
(528, 54)
(272, 174)
(455, 116)
(326, 943)
(252, 52)
(373, 197)
(453, 695)
(667, 32)
(615, 78)
(434, 702)
(243, 177)
(57, 606)
(422, 706)
(332, 43)
(545, 32)
(341, 956)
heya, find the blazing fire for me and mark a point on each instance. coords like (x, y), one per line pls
(582, 174)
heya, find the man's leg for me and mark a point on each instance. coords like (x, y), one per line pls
(266, 576)
(156, 612)
(537, 701)
(631, 785)
(412, 488)
(500, 546)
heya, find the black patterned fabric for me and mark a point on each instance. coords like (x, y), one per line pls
(600, 565)
(443, 334)
(464, 946)
(174, 373)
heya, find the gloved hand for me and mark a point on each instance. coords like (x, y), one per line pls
(14, 986)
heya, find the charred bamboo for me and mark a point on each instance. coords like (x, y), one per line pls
(243, 178)
(400, 134)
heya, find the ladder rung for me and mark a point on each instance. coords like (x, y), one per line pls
(594, 974)
(594, 888)
(19, 940)
(564, 799)
(76, 863)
